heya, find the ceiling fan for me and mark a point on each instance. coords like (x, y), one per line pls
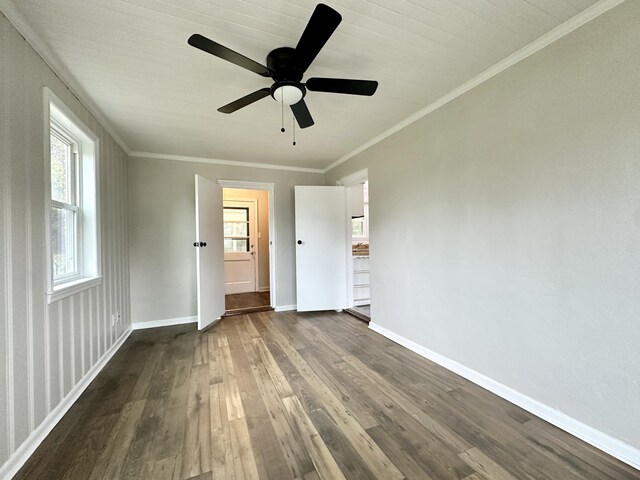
(286, 66)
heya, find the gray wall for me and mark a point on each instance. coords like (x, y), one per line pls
(505, 226)
(162, 231)
(45, 350)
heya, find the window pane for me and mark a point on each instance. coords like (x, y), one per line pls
(63, 241)
(235, 245)
(357, 227)
(60, 170)
(236, 229)
(236, 214)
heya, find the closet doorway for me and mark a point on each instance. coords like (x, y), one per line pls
(247, 245)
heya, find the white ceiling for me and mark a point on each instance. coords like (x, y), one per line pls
(132, 59)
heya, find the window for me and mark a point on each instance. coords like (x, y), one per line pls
(64, 205)
(72, 209)
(360, 225)
(236, 229)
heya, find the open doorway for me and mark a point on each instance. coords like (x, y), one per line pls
(247, 241)
(359, 278)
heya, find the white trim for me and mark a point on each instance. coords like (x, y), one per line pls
(547, 39)
(608, 444)
(24, 451)
(59, 68)
(286, 308)
(263, 289)
(71, 288)
(66, 119)
(269, 187)
(218, 161)
(355, 178)
(239, 184)
(167, 322)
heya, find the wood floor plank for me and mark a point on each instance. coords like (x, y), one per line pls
(167, 468)
(244, 462)
(82, 464)
(295, 456)
(263, 437)
(382, 467)
(445, 434)
(116, 447)
(196, 447)
(323, 461)
(221, 453)
(484, 466)
(403, 457)
(309, 396)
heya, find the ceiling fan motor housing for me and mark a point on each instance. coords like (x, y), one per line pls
(283, 65)
(285, 71)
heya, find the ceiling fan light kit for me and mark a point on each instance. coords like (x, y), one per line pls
(286, 66)
(287, 93)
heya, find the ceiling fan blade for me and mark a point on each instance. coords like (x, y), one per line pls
(302, 114)
(244, 101)
(342, 85)
(209, 46)
(321, 26)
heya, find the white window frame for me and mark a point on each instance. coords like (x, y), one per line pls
(365, 223)
(60, 120)
(75, 204)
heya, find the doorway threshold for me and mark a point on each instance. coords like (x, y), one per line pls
(243, 311)
(360, 313)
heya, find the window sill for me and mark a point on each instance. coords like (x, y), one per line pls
(71, 288)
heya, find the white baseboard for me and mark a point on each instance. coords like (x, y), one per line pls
(167, 322)
(608, 444)
(24, 451)
(285, 308)
(264, 289)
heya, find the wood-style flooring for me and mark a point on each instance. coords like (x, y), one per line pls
(363, 312)
(237, 301)
(306, 396)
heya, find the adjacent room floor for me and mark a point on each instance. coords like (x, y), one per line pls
(237, 301)
(286, 395)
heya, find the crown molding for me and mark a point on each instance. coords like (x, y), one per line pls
(231, 163)
(53, 61)
(545, 40)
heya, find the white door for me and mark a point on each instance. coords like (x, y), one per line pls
(321, 248)
(240, 254)
(209, 252)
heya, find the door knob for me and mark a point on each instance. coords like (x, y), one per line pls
(203, 244)
(299, 242)
(195, 244)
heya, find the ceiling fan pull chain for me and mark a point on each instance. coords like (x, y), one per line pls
(293, 120)
(282, 114)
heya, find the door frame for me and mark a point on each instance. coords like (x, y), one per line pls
(349, 181)
(269, 187)
(254, 220)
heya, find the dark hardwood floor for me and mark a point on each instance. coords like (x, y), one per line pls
(286, 395)
(239, 301)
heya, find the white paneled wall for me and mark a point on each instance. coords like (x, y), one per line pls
(47, 350)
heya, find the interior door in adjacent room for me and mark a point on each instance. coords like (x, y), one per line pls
(209, 252)
(321, 248)
(240, 242)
